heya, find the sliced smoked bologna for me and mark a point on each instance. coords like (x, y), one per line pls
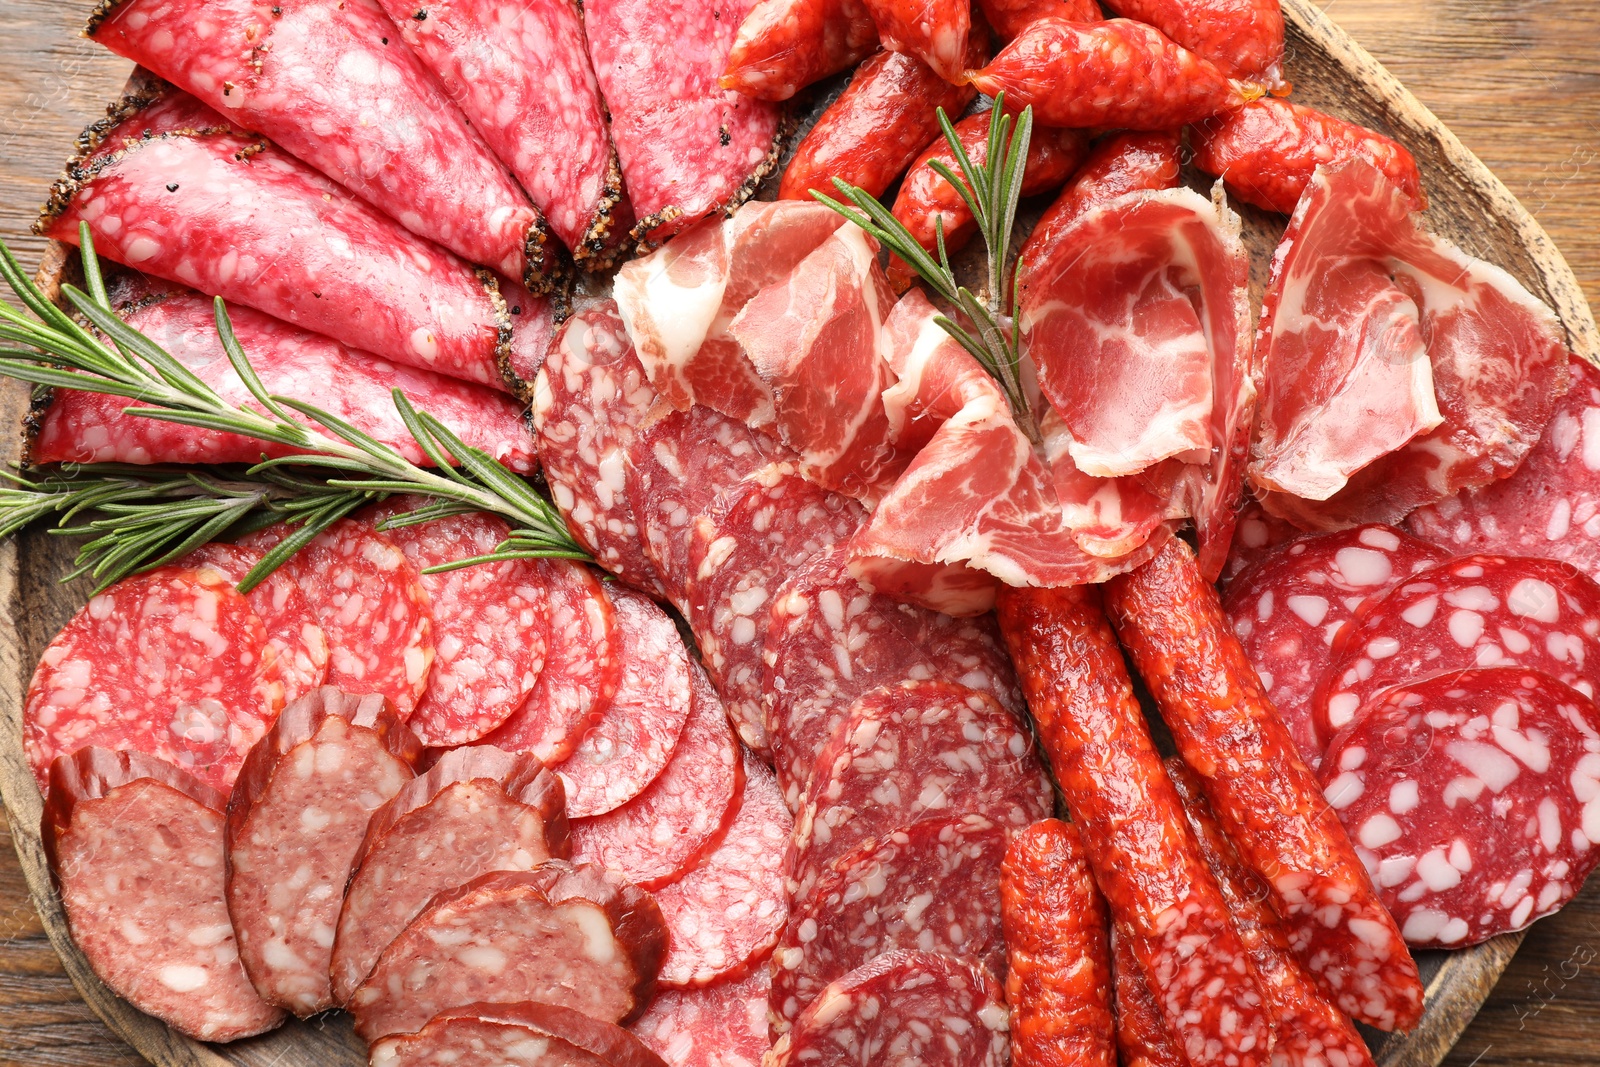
(136, 847)
(522, 1034)
(296, 821)
(720, 1025)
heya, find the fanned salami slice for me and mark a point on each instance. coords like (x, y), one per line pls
(726, 913)
(752, 538)
(372, 607)
(638, 731)
(489, 625)
(1474, 611)
(721, 1025)
(829, 640)
(172, 663)
(664, 831)
(687, 146)
(582, 668)
(1550, 507)
(588, 400)
(520, 1034)
(221, 211)
(322, 79)
(1473, 798)
(929, 886)
(1288, 608)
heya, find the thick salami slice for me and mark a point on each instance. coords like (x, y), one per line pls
(664, 831)
(928, 886)
(234, 216)
(296, 820)
(524, 1034)
(476, 810)
(688, 147)
(120, 820)
(372, 606)
(588, 401)
(785, 45)
(829, 640)
(1142, 1037)
(575, 937)
(582, 668)
(1550, 507)
(1474, 611)
(489, 628)
(879, 1014)
(355, 386)
(726, 913)
(1288, 607)
(171, 663)
(1472, 799)
(321, 79)
(635, 736)
(721, 1025)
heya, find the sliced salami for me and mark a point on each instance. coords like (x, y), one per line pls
(720, 1025)
(726, 913)
(583, 666)
(1473, 798)
(489, 628)
(523, 1034)
(752, 538)
(1474, 611)
(372, 607)
(296, 821)
(171, 663)
(656, 837)
(1291, 603)
(928, 886)
(476, 810)
(1550, 507)
(879, 1013)
(636, 734)
(575, 937)
(115, 820)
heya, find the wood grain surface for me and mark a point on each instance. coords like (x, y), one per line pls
(1519, 83)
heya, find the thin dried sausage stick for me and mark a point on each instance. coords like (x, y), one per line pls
(1243, 37)
(1011, 17)
(1142, 1038)
(935, 31)
(785, 45)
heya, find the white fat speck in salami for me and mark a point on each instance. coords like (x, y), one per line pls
(720, 1025)
(1473, 799)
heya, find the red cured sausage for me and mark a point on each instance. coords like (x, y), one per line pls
(871, 134)
(1116, 73)
(1058, 974)
(785, 45)
(1011, 17)
(136, 847)
(724, 1025)
(1144, 859)
(1243, 37)
(522, 1034)
(1120, 164)
(296, 820)
(1267, 150)
(926, 199)
(1142, 1038)
(1172, 624)
(935, 31)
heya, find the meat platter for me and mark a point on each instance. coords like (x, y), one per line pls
(1469, 207)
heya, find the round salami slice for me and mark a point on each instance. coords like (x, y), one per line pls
(489, 626)
(929, 886)
(727, 912)
(1475, 611)
(522, 1034)
(756, 533)
(664, 831)
(1289, 605)
(720, 1025)
(1256, 532)
(172, 663)
(829, 640)
(583, 666)
(372, 607)
(885, 1013)
(635, 736)
(1550, 507)
(1473, 799)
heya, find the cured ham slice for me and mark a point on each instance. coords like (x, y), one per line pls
(1349, 432)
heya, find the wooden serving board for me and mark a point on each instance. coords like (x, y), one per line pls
(1331, 72)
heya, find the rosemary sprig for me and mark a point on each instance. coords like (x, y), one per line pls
(990, 192)
(144, 518)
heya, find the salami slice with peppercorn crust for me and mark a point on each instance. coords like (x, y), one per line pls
(524, 1034)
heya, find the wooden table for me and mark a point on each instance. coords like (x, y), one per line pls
(1518, 81)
